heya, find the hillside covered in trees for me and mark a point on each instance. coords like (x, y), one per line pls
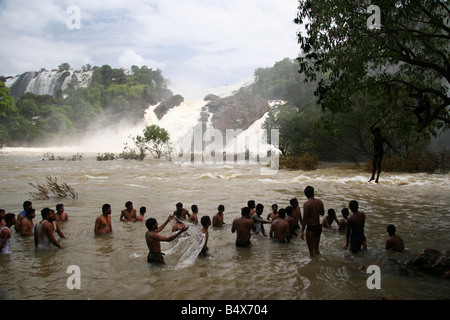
(110, 94)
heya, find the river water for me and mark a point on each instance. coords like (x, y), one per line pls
(114, 266)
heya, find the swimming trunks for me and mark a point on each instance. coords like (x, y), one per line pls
(356, 241)
(242, 243)
(317, 229)
(155, 257)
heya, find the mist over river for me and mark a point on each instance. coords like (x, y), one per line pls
(114, 266)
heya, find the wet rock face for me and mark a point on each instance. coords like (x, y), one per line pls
(236, 112)
(165, 106)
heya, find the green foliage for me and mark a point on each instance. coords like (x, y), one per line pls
(409, 53)
(154, 139)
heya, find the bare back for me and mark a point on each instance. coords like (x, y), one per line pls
(312, 210)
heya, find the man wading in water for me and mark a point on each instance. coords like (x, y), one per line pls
(312, 208)
(154, 239)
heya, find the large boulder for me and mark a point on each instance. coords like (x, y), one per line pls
(165, 106)
(236, 112)
(431, 262)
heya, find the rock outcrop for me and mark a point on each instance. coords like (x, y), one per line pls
(431, 262)
(165, 106)
(235, 112)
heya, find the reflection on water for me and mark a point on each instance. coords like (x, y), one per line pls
(114, 266)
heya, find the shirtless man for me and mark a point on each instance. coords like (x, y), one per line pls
(293, 222)
(312, 208)
(5, 233)
(26, 228)
(355, 237)
(206, 222)
(129, 213)
(296, 212)
(60, 214)
(329, 218)
(218, 217)
(22, 215)
(279, 230)
(274, 214)
(194, 218)
(394, 243)
(181, 212)
(103, 221)
(243, 226)
(43, 231)
(153, 239)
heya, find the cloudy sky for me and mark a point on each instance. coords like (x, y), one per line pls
(197, 44)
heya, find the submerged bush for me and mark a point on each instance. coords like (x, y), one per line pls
(305, 162)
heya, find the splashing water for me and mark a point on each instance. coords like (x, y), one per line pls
(188, 245)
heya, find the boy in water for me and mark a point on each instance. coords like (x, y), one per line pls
(129, 213)
(26, 228)
(153, 239)
(279, 230)
(343, 221)
(355, 237)
(394, 243)
(194, 218)
(243, 226)
(218, 217)
(328, 220)
(142, 211)
(206, 222)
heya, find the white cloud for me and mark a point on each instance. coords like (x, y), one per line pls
(206, 43)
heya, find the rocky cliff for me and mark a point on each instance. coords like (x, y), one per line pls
(235, 112)
(46, 82)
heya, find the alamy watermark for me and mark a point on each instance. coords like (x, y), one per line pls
(374, 21)
(237, 147)
(73, 20)
(74, 280)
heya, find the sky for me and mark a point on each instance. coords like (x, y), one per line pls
(198, 44)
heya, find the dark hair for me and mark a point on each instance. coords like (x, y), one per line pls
(59, 206)
(345, 212)
(293, 201)
(331, 212)
(128, 203)
(309, 192)
(221, 207)
(27, 204)
(289, 210)
(29, 211)
(391, 230)
(45, 212)
(282, 213)
(259, 206)
(9, 217)
(179, 205)
(194, 208)
(105, 207)
(150, 223)
(353, 205)
(204, 220)
(245, 211)
(142, 210)
(251, 203)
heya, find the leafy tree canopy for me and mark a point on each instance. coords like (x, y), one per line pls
(408, 55)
